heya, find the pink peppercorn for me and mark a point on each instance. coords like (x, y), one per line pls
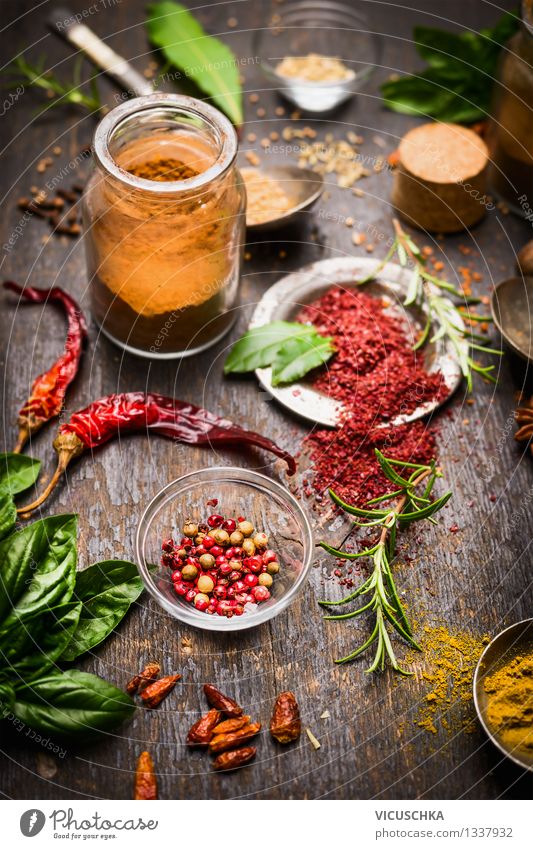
(215, 520)
(261, 593)
(251, 580)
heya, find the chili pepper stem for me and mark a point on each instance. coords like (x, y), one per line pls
(21, 441)
(68, 446)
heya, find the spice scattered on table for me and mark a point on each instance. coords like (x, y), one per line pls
(60, 210)
(312, 739)
(49, 389)
(377, 376)
(447, 673)
(331, 156)
(145, 778)
(133, 412)
(266, 197)
(314, 68)
(510, 702)
(285, 725)
(221, 566)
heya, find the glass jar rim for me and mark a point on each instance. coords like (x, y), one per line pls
(180, 103)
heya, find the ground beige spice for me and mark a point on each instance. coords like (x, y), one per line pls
(314, 68)
(510, 702)
(266, 198)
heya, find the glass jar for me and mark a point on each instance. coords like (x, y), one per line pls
(511, 129)
(164, 221)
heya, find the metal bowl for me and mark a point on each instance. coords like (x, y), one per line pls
(503, 648)
(303, 188)
(284, 300)
(512, 307)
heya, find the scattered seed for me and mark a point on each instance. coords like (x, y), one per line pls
(312, 739)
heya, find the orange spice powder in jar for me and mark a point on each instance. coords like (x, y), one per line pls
(164, 219)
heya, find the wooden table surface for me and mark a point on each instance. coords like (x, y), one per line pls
(477, 580)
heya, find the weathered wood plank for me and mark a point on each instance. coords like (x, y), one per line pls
(477, 579)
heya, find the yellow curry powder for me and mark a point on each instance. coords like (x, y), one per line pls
(510, 702)
(447, 669)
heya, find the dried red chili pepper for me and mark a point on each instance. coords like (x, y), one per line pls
(154, 693)
(201, 732)
(235, 759)
(218, 700)
(224, 742)
(140, 682)
(145, 779)
(285, 725)
(49, 389)
(230, 725)
(131, 412)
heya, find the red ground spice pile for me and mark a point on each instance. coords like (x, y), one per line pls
(377, 376)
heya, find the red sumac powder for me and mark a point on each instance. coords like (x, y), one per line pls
(377, 376)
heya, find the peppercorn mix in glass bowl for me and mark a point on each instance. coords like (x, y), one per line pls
(224, 549)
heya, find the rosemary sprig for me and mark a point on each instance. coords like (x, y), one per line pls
(413, 503)
(64, 92)
(425, 290)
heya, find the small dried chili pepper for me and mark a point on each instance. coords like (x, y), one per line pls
(218, 700)
(201, 732)
(131, 412)
(145, 779)
(154, 693)
(230, 725)
(140, 682)
(49, 389)
(223, 742)
(285, 725)
(235, 759)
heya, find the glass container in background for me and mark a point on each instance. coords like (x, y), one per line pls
(164, 219)
(511, 129)
(326, 29)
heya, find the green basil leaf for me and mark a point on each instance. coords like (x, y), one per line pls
(106, 591)
(38, 567)
(442, 49)
(7, 698)
(430, 94)
(457, 85)
(258, 347)
(299, 355)
(8, 514)
(18, 472)
(72, 705)
(33, 644)
(205, 60)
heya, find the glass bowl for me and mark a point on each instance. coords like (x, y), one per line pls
(240, 492)
(325, 28)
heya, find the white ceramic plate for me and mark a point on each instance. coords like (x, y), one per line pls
(284, 300)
